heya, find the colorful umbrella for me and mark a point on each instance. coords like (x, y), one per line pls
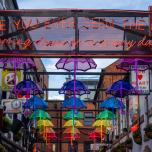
(36, 103)
(40, 114)
(44, 123)
(129, 64)
(120, 89)
(74, 87)
(112, 103)
(71, 130)
(82, 64)
(71, 136)
(99, 123)
(27, 87)
(74, 103)
(106, 114)
(94, 135)
(77, 115)
(69, 123)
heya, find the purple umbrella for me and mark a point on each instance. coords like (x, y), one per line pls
(17, 63)
(72, 64)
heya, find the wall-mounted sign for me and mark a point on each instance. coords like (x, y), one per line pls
(13, 105)
(140, 79)
(8, 79)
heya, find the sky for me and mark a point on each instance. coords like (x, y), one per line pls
(86, 4)
(95, 4)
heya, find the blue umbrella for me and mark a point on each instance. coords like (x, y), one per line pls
(112, 103)
(27, 87)
(73, 103)
(36, 103)
(120, 89)
(74, 87)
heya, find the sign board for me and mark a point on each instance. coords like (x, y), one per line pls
(8, 79)
(140, 79)
(13, 105)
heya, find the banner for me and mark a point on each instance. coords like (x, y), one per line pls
(8, 79)
(13, 105)
(142, 77)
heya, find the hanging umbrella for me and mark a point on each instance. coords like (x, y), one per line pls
(82, 64)
(44, 123)
(46, 129)
(40, 114)
(77, 115)
(95, 135)
(129, 64)
(98, 129)
(71, 131)
(74, 87)
(112, 103)
(27, 87)
(71, 136)
(120, 89)
(99, 123)
(74, 103)
(106, 114)
(36, 103)
(69, 123)
(17, 63)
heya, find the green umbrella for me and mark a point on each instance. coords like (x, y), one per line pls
(77, 115)
(106, 114)
(40, 114)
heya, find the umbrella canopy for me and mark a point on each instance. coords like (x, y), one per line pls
(95, 135)
(71, 136)
(74, 87)
(81, 64)
(69, 123)
(27, 87)
(50, 136)
(40, 114)
(120, 88)
(36, 103)
(77, 115)
(44, 123)
(99, 123)
(74, 103)
(112, 103)
(71, 130)
(99, 130)
(126, 63)
(46, 130)
(106, 114)
(18, 63)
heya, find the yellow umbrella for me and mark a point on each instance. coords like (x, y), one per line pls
(44, 123)
(71, 131)
(99, 123)
(69, 123)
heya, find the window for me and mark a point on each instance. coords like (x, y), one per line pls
(88, 118)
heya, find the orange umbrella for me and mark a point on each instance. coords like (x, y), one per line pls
(71, 130)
